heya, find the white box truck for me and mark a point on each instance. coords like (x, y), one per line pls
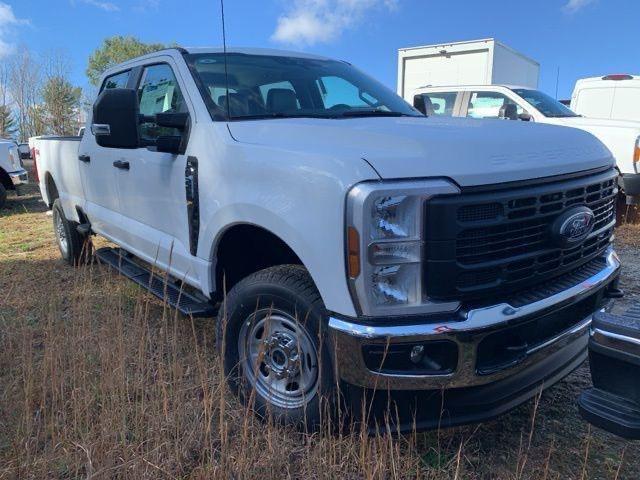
(476, 62)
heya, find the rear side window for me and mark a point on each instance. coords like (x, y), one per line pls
(119, 80)
(440, 104)
(159, 92)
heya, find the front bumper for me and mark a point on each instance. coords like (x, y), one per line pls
(349, 337)
(19, 177)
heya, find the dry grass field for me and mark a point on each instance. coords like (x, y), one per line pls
(98, 380)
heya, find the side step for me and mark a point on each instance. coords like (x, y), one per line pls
(185, 303)
(611, 412)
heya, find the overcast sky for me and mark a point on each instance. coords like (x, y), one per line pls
(581, 37)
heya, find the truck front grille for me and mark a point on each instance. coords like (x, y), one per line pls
(500, 240)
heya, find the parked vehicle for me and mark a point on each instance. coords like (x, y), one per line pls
(477, 62)
(614, 357)
(622, 138)
(615, 97)
(361, 246)
(12, 173)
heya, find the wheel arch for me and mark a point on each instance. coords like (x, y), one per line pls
(5, 180)
(243, 248)
(51, 189)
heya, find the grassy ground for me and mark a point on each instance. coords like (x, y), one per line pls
(98, 380)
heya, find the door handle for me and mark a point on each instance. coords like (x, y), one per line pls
(121, 164)
(84, 158)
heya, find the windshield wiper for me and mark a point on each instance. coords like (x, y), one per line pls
(276, 115)
(373, 113)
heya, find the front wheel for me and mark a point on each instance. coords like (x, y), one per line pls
(275, 356)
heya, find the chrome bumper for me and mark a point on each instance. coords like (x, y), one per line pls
(19, 177)
(348, 338)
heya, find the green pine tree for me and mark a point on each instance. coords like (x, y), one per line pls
(8, 127)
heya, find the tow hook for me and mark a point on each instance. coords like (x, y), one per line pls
(613, 291)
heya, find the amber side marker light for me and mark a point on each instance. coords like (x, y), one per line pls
(353, 252)
(636, 152)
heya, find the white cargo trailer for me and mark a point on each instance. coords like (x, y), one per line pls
(477, 62)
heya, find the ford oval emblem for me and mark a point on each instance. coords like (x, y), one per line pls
(573, 227)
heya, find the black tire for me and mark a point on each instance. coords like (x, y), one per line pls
(268, 296)
(74, 248)
(3, 195)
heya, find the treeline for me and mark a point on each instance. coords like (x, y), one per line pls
(37, 97)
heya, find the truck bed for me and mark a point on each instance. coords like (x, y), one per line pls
(58, 164)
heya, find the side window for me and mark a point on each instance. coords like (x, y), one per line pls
(159, 93)
(487, 104)
(440, 104)
(119, 80)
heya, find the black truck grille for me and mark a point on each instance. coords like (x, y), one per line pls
(479, 243)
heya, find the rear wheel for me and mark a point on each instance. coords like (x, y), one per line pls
(74, 248)
(274, 354)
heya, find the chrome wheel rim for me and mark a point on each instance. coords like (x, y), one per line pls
(279, 358)
(61, 234)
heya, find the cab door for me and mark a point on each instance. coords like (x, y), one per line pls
(153, 197)
(99, 178)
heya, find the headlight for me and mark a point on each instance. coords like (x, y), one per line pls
(385, 243)
(14, 158)
(636, 154)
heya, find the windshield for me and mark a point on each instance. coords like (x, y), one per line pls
(548, 106)
(262, 86)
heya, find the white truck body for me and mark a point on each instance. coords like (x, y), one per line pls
(320, 188)
(474, 62)
(615, 97)
(621, 137)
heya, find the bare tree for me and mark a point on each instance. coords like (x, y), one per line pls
(25, 80)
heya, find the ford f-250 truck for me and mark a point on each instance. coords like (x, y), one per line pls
(359, 246)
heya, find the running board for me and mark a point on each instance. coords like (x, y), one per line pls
(185, 303)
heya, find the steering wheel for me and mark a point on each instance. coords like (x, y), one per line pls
(340, 106)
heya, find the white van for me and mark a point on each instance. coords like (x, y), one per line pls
(612, 96)
(621, 137)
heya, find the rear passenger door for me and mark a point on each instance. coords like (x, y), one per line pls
(153, 198)
(99, 178)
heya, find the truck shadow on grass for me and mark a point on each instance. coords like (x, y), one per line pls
(29, 201)
(102, 379)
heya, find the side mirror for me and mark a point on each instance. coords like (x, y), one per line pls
(525, 117)
(179, 121)
(419, 104)
(509, 111)
(169, 144)
(116, 118)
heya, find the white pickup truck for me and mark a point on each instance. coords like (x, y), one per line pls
(12, 172)
(621, 137)
(362, 247)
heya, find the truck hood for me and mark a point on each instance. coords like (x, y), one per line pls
(603, 123)
(471, 152)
